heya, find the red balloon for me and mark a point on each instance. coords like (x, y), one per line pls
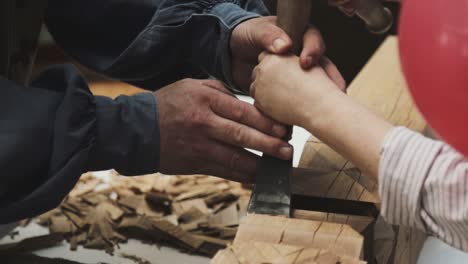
(434, 53)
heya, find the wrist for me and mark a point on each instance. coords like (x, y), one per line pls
(127, 135)
(322, 109)
(230, 16)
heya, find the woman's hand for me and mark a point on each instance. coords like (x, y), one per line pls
(290, 94)
(310, 99)
(253, 36)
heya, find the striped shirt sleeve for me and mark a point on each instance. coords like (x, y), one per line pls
(423, 184)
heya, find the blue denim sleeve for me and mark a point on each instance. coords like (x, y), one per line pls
(54, 130)
(151, 42)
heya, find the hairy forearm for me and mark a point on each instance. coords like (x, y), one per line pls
(349, 128)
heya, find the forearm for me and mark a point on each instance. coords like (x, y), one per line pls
(422, 182)
(349, 128)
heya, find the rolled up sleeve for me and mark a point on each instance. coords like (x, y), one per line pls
(423, 183)
(55, 130)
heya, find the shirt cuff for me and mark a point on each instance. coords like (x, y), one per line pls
(128, 136)
(230, 14)
(406, 159)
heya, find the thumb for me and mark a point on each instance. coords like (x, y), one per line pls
(268, 36)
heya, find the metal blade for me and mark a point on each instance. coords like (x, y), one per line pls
(333, 205)
(272, 192)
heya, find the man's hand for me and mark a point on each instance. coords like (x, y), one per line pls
(253, 36)
(204, 129)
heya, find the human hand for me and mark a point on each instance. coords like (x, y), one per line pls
(288, 93)
(253, 36)
(204, 130)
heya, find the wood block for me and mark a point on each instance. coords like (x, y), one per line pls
(253, 252)
(337, 238)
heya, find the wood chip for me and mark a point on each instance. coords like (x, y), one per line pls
(180, 208)
(226, 217)
(139, 204)
(134, 258)
(61, 224)
(32, 244)
(191, 213)
(28, 258)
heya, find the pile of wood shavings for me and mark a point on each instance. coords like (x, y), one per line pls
(198, 214)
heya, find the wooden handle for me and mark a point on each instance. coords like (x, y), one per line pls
(293, 17)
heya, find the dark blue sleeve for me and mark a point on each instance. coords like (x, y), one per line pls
(151, 42)
(53, 131)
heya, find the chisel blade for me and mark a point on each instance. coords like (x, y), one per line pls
(272, 191)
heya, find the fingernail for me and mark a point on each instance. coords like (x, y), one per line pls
(279, 130)
(286, 152)
(279, 44)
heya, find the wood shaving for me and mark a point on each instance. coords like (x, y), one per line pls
(198, 213)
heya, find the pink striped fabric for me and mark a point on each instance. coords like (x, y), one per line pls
(423, 184)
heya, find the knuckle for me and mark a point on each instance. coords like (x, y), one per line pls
(269, 31)
(254, 75)
(261, 68)
(185, 82)
(239, 111)
(237, 134)
(199, 119)
(201, 94)
(234, 160)
(217, 83)
(197, 149)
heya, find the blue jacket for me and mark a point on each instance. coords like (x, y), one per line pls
(55, 129)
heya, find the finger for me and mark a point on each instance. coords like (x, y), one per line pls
(262, 56)
(216, 85)
(217, 170)
(313, 49)
(234, 158)
(245, 113)
(268, 36)
(252, 90)
(239, 135)
(254, 73)
(333, 72)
